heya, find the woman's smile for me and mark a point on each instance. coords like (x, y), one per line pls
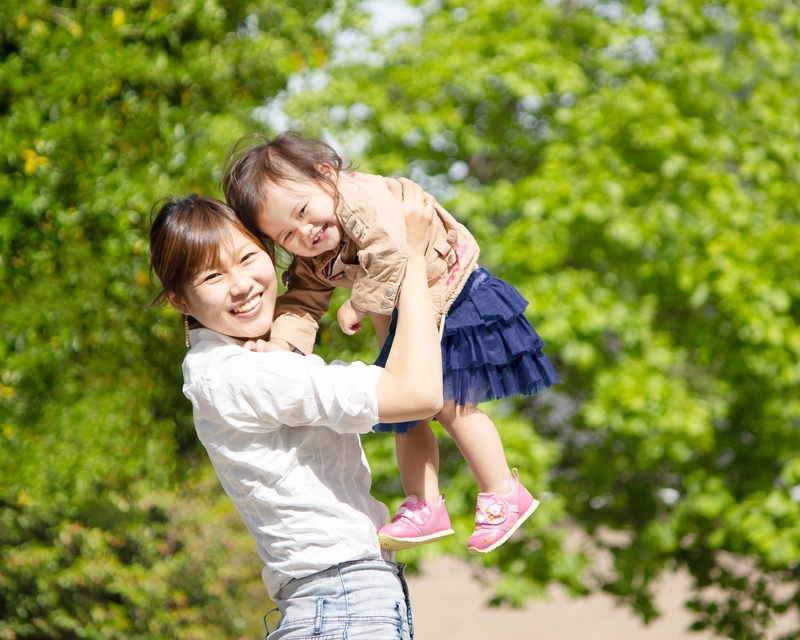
(249, 307)
(235, 296)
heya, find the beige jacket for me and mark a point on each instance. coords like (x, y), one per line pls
(371, 260)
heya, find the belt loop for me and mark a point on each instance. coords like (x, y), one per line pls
(400, 569)
(266, 626)
(318, 617)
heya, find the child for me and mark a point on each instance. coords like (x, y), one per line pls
(281, 429)
(345, 230)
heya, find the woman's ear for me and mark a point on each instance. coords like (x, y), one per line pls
(177, 303)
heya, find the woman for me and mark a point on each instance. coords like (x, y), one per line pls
(281, 428)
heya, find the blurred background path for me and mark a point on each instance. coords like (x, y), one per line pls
(449, 603)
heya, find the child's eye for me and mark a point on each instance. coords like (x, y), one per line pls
(247, 257)
(303, 211)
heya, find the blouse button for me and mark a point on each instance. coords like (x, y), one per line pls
(385, 304)
(389, 292)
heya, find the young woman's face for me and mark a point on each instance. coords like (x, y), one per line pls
(237, 296)
(300, 216)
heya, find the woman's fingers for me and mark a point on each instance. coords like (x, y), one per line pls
(418, 208)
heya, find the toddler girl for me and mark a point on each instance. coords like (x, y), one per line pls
(346, 230)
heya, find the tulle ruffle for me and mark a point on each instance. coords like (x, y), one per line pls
(489, 349)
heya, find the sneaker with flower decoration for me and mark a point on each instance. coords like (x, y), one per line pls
(498, 515)
(417, 521)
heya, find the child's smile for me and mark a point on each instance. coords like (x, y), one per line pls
(301, 217)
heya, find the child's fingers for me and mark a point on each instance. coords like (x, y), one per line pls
(350, 330)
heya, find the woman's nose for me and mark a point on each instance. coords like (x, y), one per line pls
(240, 283)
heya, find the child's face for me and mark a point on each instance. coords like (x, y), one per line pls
(300, 217)
(237, 296)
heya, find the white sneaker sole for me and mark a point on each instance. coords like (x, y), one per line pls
(509, 533)
(390, 543)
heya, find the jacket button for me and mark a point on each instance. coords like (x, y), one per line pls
(385, 304)
(389, 292)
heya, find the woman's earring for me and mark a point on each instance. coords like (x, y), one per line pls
(186, 330)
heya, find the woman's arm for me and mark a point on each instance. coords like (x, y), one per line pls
(410, 386)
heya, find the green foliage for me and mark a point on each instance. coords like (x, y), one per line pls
(104, 108)
(635, 169)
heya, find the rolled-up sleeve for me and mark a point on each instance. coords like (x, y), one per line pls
(373, 218)
(260, 391)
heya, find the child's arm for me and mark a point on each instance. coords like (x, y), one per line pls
(297, 312)
(410, 386)
(350, 316)
(374, 220)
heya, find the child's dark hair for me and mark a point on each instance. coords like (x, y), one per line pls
(256, 161)
(186, 236)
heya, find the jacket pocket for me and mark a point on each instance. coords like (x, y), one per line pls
(439, 258)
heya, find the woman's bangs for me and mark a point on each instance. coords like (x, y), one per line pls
(206, 243)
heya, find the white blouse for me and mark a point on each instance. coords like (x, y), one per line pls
(281, 430)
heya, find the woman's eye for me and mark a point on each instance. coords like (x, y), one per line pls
(303, 211)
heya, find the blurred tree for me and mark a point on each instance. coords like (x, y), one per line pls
(634, 167)
(104, 107)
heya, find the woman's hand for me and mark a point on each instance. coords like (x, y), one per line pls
(265, 346)
(418, 209)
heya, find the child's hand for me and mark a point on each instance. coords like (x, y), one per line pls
(350, 317)
(265, 346)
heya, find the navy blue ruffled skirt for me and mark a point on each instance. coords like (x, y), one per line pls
(489, 349)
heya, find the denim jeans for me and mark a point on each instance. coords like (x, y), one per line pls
(359, 600)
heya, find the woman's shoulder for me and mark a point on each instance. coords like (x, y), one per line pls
(216, 356)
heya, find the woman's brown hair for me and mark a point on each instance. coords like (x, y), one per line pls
(256, 161)
(186, 236)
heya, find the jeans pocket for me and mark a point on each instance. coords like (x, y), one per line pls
(380, 627)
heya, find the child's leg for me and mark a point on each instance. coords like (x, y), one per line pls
(479, 442)
(422, 517)
(418, 461)
(503, 503)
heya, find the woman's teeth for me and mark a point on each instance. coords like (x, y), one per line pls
(248, 306)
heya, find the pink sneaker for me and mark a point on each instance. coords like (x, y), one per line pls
(497, 516)
(416, 522)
